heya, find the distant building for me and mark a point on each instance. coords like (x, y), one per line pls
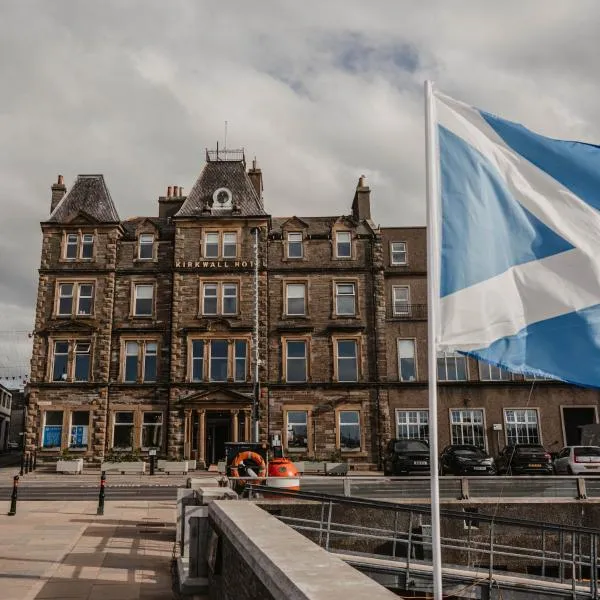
(5, 410)
(144, 332)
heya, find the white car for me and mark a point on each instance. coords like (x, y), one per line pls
(578, 460)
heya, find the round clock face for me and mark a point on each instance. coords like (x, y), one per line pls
(222, 196)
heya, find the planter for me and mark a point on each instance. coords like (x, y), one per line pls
(176, 466)
(192, 464)
(70, 466)
(124, 467)
(336, 468)
(321, 467)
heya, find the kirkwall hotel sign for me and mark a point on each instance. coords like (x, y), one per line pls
(215, 264)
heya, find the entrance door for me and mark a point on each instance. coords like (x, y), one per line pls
(573, 419)
(218, 431)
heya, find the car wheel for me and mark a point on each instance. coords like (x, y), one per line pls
(570, 471)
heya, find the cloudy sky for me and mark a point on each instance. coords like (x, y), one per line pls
(319, 91)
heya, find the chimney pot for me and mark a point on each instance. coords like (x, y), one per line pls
(61, 180)
(180, 191)
(169, 192)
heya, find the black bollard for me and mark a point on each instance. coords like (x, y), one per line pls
(100, 510)
(13, 499)
(26, 463)
(22, 471)
(152, 464)
(30, 462)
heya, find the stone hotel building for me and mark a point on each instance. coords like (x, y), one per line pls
(145, 332)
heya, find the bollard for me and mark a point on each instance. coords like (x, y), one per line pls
(152, 465)
(26, 463)
(13, 499)
(100, 510)
(22, 471)
(30, 462)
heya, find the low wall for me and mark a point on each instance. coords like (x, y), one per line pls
(254, 556)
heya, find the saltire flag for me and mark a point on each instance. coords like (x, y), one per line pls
(519, 240)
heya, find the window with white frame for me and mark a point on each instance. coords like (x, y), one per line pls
(488, 372)
(347, 360)
(240, 359)
(345, 299)
(294, 244)
(343, 244)
(82, 361)
(521, 426)
(218, 360)
(143, 300)
(140, 363)
(152, 430)
(230, 244)
(398, 253)
(79, 245)
(80, 421)
(295, 299)
(146, 246)
(213, 360)
(407, 366)
(349, 427)
(297, 430)
(72, 245)
(229, 301)
(123, 430)
(150, 361)
(87, 245)
(75, 297)
(451, 366)
(71, 360)
(412, 424)
(211, 244)
(60, 369)
(210, 298)
(131, 361)
(52, 432)
(401, 299)
(197, 360)
(467, 427)
(296, 361)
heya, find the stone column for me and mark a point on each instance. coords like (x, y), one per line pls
(247, 424)
(234, 437)
(187, 433)
(202, 436)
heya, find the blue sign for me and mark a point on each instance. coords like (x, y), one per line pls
(52, 436)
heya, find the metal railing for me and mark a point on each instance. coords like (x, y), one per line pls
(542, 555)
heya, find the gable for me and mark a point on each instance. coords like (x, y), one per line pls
(79, 217)
(217, 396)
(294, 223)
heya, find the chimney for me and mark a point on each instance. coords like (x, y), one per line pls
(361, 205)
(59, 189)
(171, 203)
(255, 175)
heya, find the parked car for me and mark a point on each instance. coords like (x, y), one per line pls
(578, 460)
(465, 459)
(403, 457)
(524, 459)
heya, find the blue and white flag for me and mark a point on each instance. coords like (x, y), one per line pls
(519, 231)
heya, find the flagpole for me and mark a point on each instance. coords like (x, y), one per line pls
(433, 250)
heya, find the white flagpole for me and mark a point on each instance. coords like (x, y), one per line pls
(433, 249)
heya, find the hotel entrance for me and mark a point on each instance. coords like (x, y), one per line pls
(218, 431)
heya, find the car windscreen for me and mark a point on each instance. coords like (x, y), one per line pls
(469, 452)
(529, 450)
(411, 446)
(587, 451)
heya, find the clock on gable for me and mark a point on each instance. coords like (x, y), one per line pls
(222, 198)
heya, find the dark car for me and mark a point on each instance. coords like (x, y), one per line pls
(403, 457)
(464, 459)
(524, 459)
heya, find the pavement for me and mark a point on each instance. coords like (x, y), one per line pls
(63, 550)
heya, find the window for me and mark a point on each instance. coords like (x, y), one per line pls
(211, 245)
(345, 299)
(152, 430)
(240, 360)
(398, 253)
(131, 361)
(61, 361)
(349, 424)
(123, 431)
(80, 421)
(82, 361)
(80, 295)
(521, 426)
(412, 424)
(297, 430)
(295, 299)
(144, 300)
(218, 360)
(197, 360)
(489, 372)
(209, 299)
(343, 244)
(229, 299)
(401, 299)
(347, 362)
(146, 246)
(294, 244)
(79, 245)
(229, 245)
(52, 434)
(451, 366)
(295, 361)
(150, 361)
(407, 368)
(467, 427)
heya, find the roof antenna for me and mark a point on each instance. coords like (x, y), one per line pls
(225, 144)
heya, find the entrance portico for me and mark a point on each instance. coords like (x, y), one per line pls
(211, 419)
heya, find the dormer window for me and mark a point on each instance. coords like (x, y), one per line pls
(79, 245)
(294, 244)
(146, 246)
(343, 244)
(87, 245)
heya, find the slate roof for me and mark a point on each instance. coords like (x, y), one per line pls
(216, 174)
(166, 230)
(89, 196)
(319, 226)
